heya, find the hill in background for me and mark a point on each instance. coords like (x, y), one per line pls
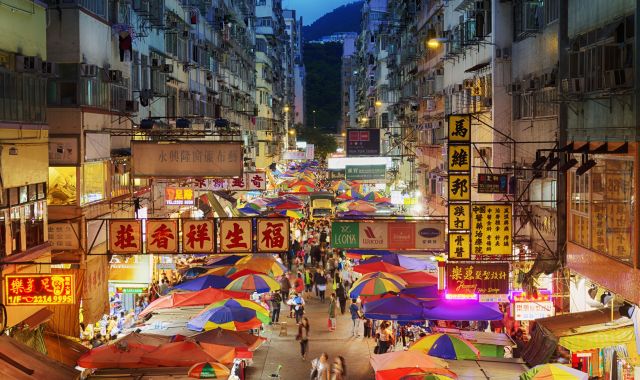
(323, 64)
(342, 19)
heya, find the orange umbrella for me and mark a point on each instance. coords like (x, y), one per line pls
(236, 339)
(116, 356)
(418, 278)
(394, 365)
(183, 299)
(144, 339)
(361, 206)
(186, 354)
(378, 266)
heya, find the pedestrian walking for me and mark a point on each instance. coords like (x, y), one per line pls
(384, 338)
(299, 284)
(332, 312)
(285, 286)
(367, 328)
(276, 302)
(341, 293)
(321, 284)
(298, 307)
(308, 280)
(356, 316)
(320, 368)
(303, 337)
(339, 370)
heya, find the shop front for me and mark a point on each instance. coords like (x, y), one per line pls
(129, 278)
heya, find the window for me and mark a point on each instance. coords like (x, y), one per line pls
(135, 72)
(22, 97)
(93, 182)
(261, 3)
(601, 208)
(551, 11)
(527, 18)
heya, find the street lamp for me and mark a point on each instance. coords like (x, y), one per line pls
(378, 103)
(314, 119)
(434, 43)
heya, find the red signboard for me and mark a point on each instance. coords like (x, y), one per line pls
(476, 278)
(125, 236)
(401, 235)
(197, 236)
(236, 235)
(39, 289)
(162, 236)
(273, 235)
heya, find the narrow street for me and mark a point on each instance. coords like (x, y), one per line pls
(285, 350)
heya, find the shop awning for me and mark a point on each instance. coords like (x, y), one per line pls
(18, 361)
(477, 67)
(576, 332)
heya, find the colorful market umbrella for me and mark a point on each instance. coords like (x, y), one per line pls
(254, 283)
(387, 275)
(289, 205)
(185, 354)
(303, 189)
(242, 272)
(375, 286)
(379, 266)
(125, 355)
(225, 260)
(361, 206)
(231, 314)
(340, 186)
(425, 376)
(418, 278)
(236, 339)
(460, 310)
(203, 282)
(394, 365)
(208, 370)
(263, 263)
(553, 371)
(184, 299)
(344, 197)
(369, 197)
(194, 272)
(394, 308)
(446, 346)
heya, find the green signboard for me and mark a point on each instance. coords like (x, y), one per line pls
(344, 235)
(365, 172)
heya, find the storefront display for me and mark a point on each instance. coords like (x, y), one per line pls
(93, 182)
(62, 186)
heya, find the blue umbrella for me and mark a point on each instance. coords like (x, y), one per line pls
(403, 261)
(394, 309)
(249, 210)
(430, 291)
(228, 260)
(194, 272)
(208, 281)
(461, 310)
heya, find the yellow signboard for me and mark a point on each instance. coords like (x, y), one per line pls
(459, 158)
(459, 217)
(459, 246)
(459, 187)
(459, 128)
(491, 229)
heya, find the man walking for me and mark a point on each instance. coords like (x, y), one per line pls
(355, 318)
(276, 302)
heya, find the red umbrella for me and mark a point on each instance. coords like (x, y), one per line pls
(418, 278)
(184, 299)
(185, 354)
(243, 272)
(344, 196)
(116, 356)
(289, 205)
(379, 266)
(236, 339)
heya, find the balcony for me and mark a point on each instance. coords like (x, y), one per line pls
(22, 97)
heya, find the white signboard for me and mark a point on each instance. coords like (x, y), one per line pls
(310, 151)
(295, 155)
(493, 297)
(528, 311)
(340, 163)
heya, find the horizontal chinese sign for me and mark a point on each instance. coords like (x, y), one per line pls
(529, 311)
(178, 196)
(365, 172)
(273, 235)
(421, 235)
(248, 182)
(476, 278)
(39, 289)
(186, 159)
(493, 183)
(491, 229)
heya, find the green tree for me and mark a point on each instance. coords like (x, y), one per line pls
(323, 142)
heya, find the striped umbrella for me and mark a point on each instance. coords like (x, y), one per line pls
(446, 346)
(260, 283)
(208, 370)
(386, 275)
(553, 371)
(230, 314)
(374, 287)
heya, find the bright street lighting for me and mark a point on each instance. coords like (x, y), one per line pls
(378, 103)
(292, 132)
(435, 43)
(286, 108)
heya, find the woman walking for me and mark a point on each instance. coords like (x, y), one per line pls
(341, 293)
(321, 283)
(339, 370)
(332, 312)
(320, 368)
(303, 337)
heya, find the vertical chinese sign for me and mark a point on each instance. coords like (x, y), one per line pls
(273, 235)
(459, 170)
(491, 229)
(125, 236)
(197, 236)
(236, 235)
(162, 236)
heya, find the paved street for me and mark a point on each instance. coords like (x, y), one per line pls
(285, 350)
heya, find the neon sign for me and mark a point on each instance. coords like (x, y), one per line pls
(521, 296)
(39, 289)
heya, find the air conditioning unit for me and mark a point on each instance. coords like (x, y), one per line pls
(49, 69)
(529, 84)
(573, 85)
(431, 105)
(131, 106)
(28, 64)
(115, 76)
(185, 34)
(89, 70)
(167, 68)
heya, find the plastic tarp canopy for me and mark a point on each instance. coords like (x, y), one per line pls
(394, 309)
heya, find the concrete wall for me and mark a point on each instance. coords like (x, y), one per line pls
(23, 28)
(588, 14)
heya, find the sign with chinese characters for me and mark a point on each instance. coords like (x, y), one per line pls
(459, 217)
(459, 246)
(236, 235)
(63, 151)
(459, 187)
(294, 155)
(422, 235)
(493, 183)
(459, 128)
(477, 278)
(273, 235)
(125, 236)
(363, 142)
(491, 229)
(529, 311)
(39, 289)
(365, 172)
(459, 158)
(198, 236)
(64, 236)
(178, 196)
(248, 182)
(162, 236)
(186, 159)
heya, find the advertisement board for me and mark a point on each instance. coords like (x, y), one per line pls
(363, 142)
(477, 278)
(529, 311)
(39, 289)
(186, 159)
(491, 229)
(493, 183)
(64, 236)
(365, 172)
(421, 235)
(178, 196)
(236, 235)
